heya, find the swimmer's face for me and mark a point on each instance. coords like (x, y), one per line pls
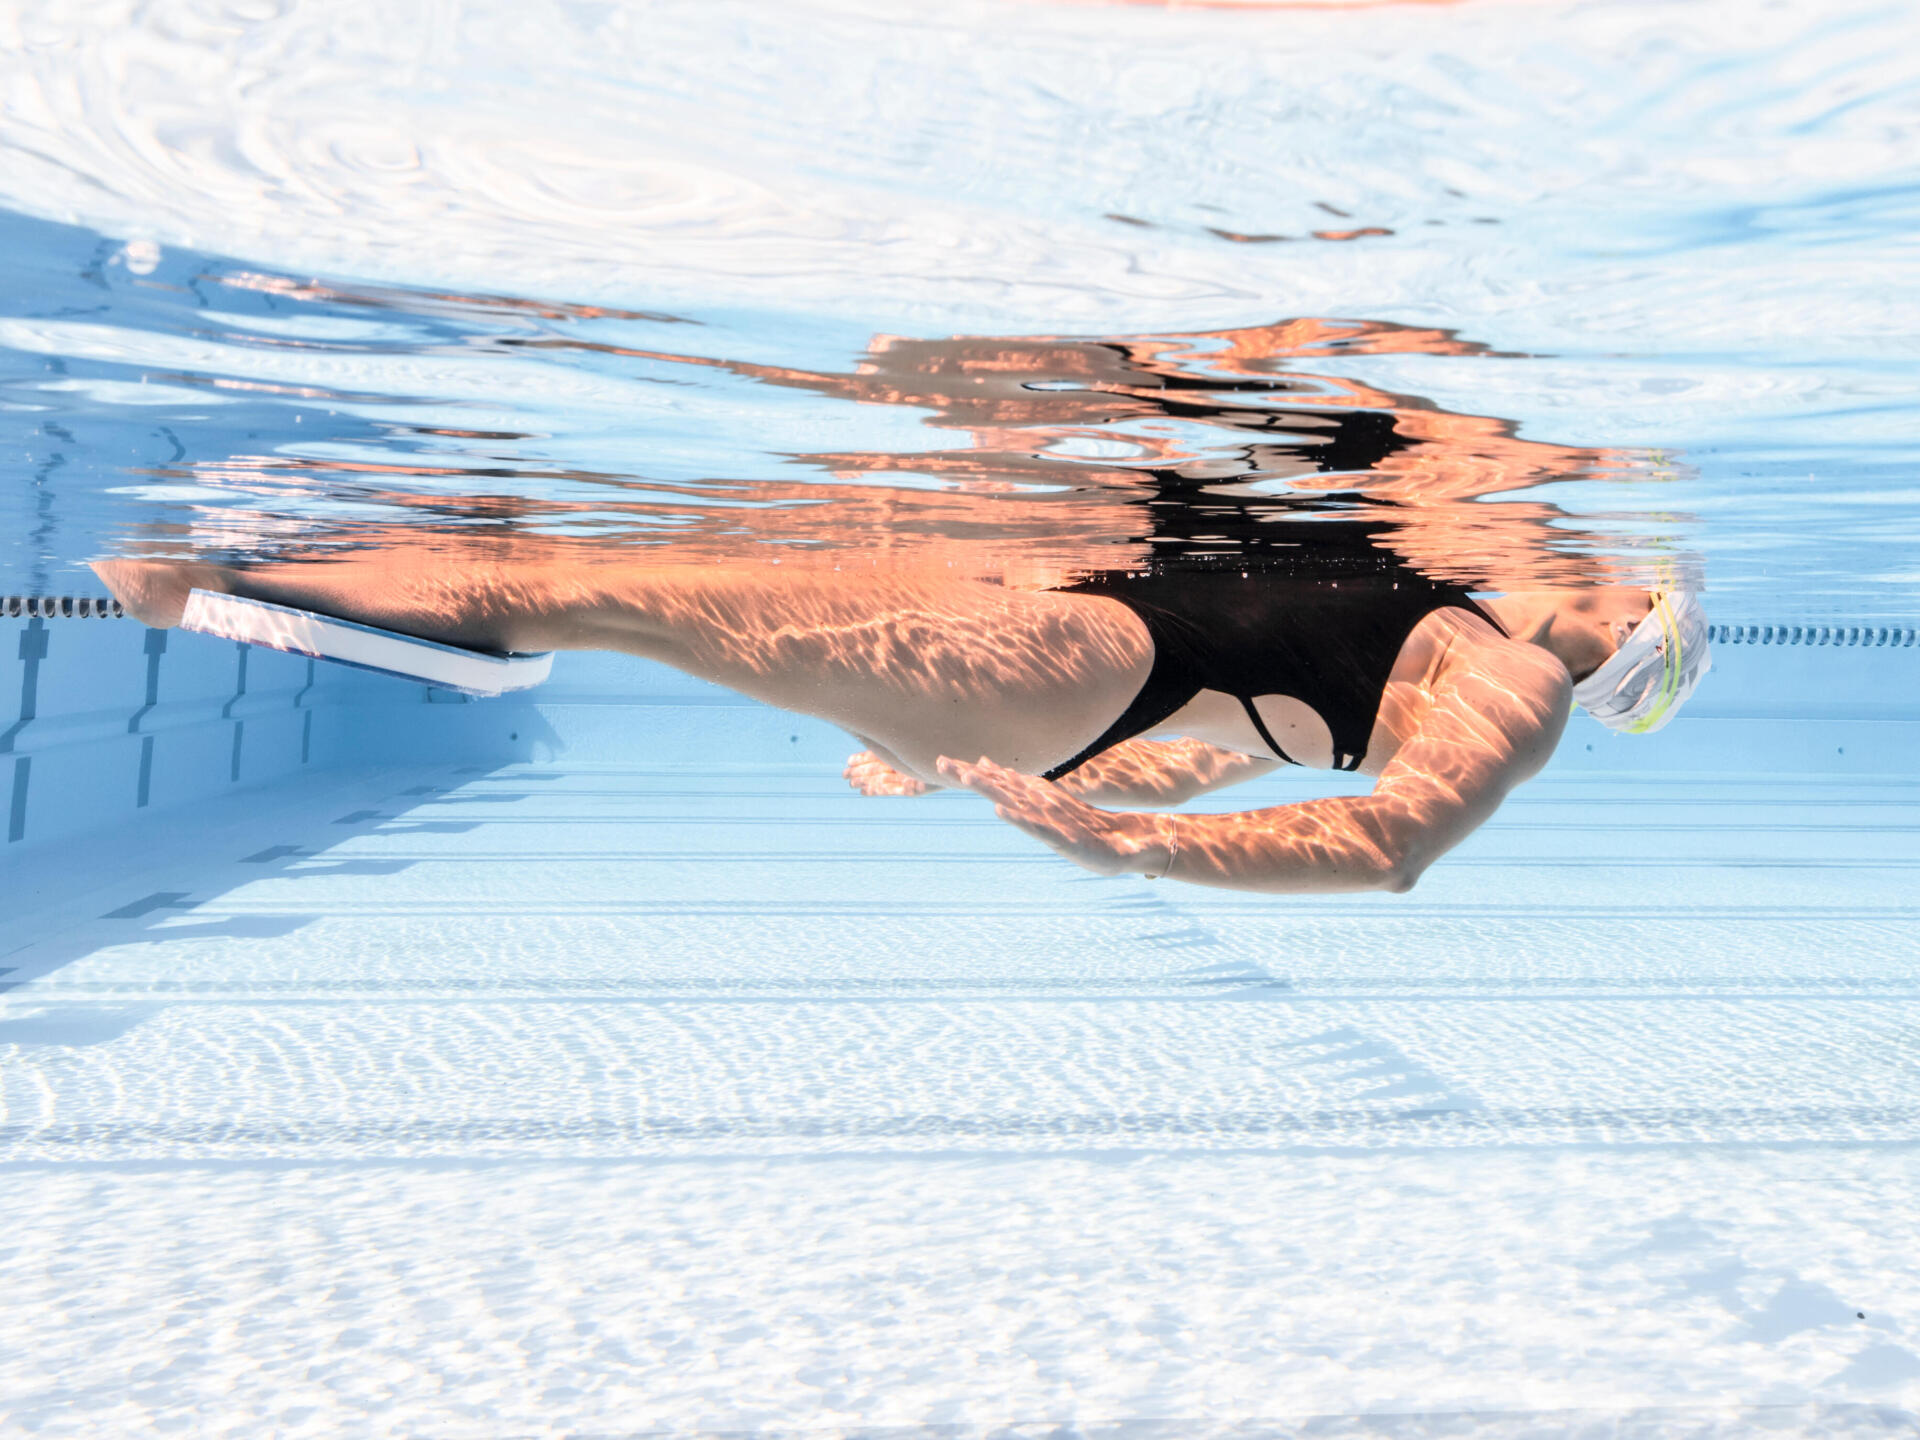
(1620, 610)
(1591, 625)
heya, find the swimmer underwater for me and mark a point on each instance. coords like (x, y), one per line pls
(1127, 688)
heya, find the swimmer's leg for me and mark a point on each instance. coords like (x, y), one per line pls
(924, 665)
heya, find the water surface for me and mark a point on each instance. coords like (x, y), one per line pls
(703, 276)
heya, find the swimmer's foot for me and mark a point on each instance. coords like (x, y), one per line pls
(155, 591)
(214, 601)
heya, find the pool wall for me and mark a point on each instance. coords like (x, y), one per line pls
(106, 720)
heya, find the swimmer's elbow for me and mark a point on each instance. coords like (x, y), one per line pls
(1399, 875)
(1401, 865)
(1358, 871)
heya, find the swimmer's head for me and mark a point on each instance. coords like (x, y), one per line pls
(1656, 667)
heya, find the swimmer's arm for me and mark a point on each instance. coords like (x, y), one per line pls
(1137, 772)
(1160, 772)
(1495, 717)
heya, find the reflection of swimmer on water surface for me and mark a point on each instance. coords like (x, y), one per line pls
(1352, 659)
(1044, 445)
(1231, 429)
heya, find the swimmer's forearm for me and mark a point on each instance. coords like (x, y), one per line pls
(1333, 846)
(1496, 715)
(1375, 842)
(1495, 712)
(1160, 772)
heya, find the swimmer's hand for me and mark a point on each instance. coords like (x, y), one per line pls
(1102, 841)
(870, 775)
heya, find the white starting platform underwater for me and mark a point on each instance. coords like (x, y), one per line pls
(593, 1061)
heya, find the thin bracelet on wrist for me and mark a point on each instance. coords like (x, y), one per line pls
(1170, 832)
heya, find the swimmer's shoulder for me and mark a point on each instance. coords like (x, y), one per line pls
(1459, 658)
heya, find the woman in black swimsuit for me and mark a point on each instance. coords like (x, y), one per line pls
(1253, 632)
(1362, 666)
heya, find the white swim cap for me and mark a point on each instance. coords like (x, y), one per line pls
(1654, 670)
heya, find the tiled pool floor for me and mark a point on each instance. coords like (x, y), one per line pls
(601, 1099)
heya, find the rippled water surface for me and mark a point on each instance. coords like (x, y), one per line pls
(1569, 288)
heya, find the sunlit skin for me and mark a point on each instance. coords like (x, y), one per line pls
(1467, 715)
(880, 620)
(958, 682)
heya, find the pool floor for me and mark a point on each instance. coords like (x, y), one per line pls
(612, 1099)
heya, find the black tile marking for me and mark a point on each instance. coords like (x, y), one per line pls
(155, 647)
(17, 810)
(357, 816)
(159, 900)
(143, 790)
(270, 854)
(240, 680)
(33, 649)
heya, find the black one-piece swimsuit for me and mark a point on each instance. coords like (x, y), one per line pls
(1256, 595)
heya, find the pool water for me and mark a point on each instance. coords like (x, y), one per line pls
(594, 1061)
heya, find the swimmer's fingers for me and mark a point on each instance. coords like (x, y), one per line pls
(1099, 840)
(870, 775)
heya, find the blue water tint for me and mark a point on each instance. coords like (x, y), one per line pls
(595, 1060)
(190, 404)
(595, 275)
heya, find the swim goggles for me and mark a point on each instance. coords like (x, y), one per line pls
(1655, 669)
